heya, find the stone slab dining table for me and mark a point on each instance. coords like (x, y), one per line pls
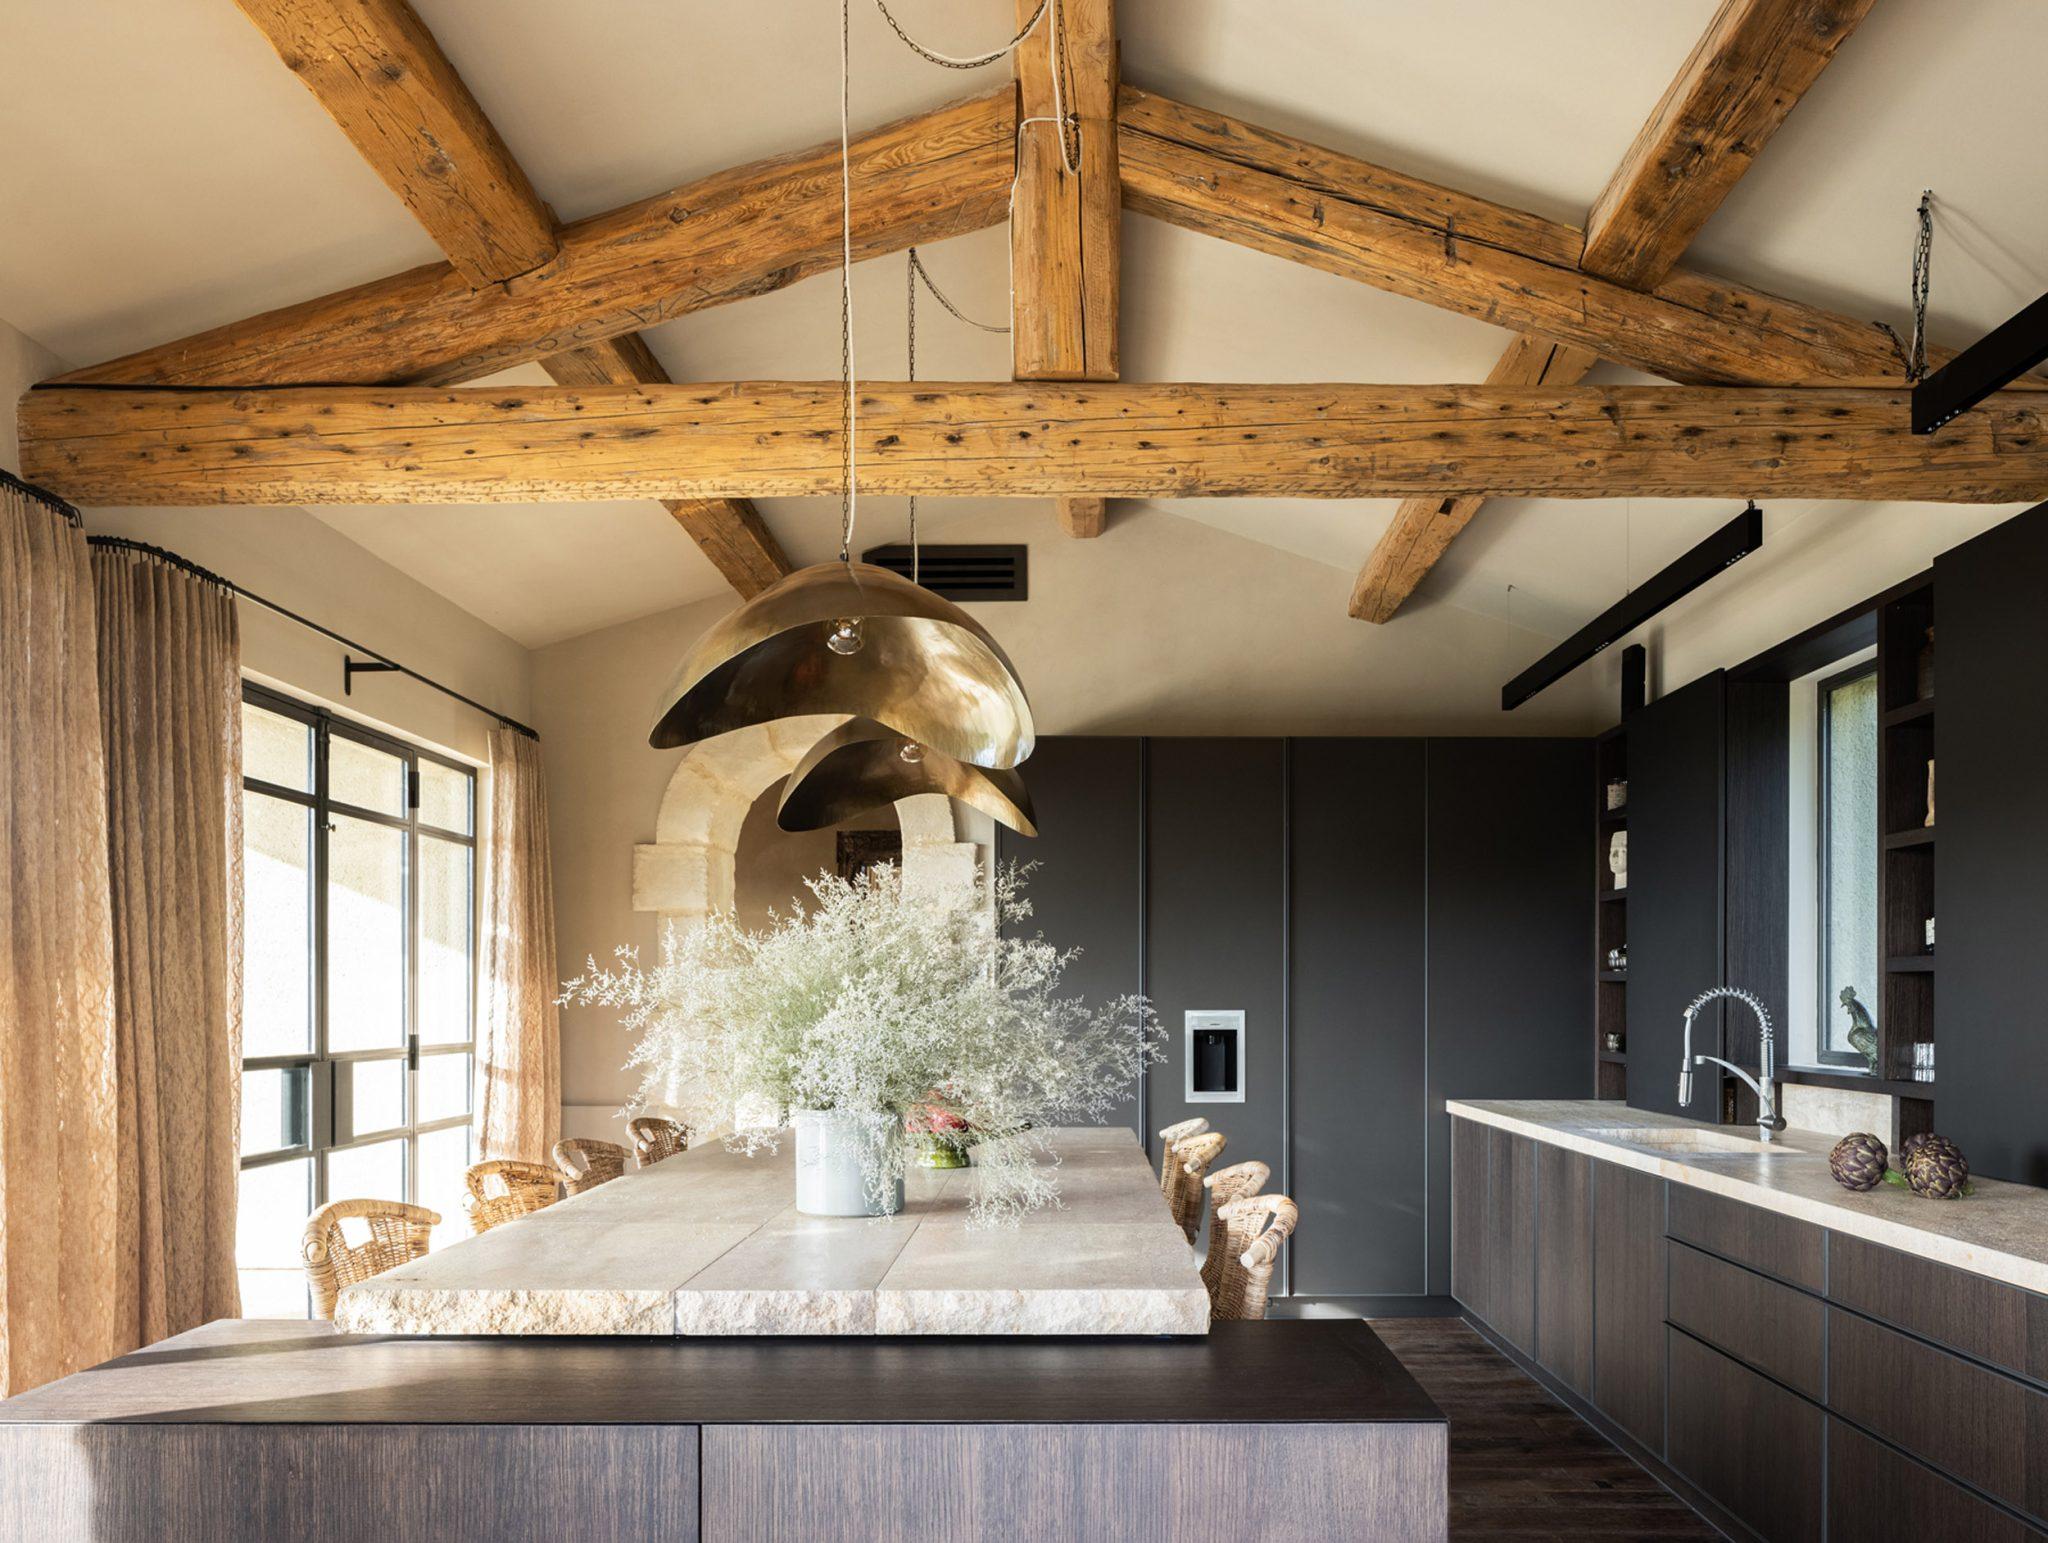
(709, 1242)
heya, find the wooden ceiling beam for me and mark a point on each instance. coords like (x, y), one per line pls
(1066, 227)
(1743, 78)
(1738, 85)
(1019, 439)
(741, 232)
(379, 73)
(1211, 173)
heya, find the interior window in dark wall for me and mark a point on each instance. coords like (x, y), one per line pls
(1510, 930)
(1355, 1014)
(1846, 805)
(1086, 885)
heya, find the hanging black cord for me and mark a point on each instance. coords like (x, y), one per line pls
(41, 496)
(123, 544)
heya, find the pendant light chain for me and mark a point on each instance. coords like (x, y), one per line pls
(948, 60)
(848, 498)
(911, 269)
(1913, 357)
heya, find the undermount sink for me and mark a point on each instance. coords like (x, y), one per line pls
(1664, 1138)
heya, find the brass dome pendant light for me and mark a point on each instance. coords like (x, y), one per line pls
(849, 637)
(861, 766)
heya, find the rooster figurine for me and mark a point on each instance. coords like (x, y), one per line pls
(1862, 1032)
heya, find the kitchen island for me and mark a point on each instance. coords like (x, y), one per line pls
(255, 1431)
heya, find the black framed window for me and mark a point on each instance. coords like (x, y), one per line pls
(358, 980)
(1846, 871)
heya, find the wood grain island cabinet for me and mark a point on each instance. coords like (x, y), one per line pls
(1797, 1383)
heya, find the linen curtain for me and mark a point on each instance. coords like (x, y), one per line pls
(171, 714)
(59, 1180)
(520, 1057)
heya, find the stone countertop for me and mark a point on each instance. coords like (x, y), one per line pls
(709, 1243)
(2000, 1230)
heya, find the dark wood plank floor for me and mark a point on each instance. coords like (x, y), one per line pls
(1525, 1469)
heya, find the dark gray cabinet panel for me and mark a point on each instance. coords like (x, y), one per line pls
(1511, 1236)
(1875, 1495)
(1355, 1014)
(1770, 1326)
(1510, 930)
(1675, 889)
(1980, 1425)
(1087, 889)
(1984, 1318)
(1992, 740)
(1470, 1265)
(1628, 1301)
(1763, 1240)
(1215, 923)
(1564, 1266)
(1748, 1444)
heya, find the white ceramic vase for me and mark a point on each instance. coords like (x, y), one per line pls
(833, 1148)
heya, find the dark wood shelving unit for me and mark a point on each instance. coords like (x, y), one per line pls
(1610, 923)
(1906, 730)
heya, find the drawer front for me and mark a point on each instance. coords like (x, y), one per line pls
(1763, 1240)
(1877, 1496)
(1747, 1443)
(1775, 1329)
(1965, 1419)
(1984, 1318)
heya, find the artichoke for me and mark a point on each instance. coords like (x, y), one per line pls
(1937, 1171)
(1925, 1140)
(1858, 1161)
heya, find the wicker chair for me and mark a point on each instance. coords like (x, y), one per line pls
(1193, 1156)
(586, 1163)
(398, 1235)
(1170, 1175)
(1241, 1293)
(655, 1138)
(1224, 1186)
(505, 1189)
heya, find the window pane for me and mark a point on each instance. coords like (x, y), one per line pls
(1849, 894)
(277, 926)
(376, 1097)
(365, 935)
(374, 1172)
(444, 1087)
(444, 1158)
(270, 1226)
(276, 748)
(445, 797)
(364, 776)
(274, 1109)
(445, 933)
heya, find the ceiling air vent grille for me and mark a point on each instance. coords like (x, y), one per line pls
(961, 572)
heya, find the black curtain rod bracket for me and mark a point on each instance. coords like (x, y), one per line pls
(64, 507)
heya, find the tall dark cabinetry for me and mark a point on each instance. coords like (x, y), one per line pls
(1991, 887)
(1356, 851)
(1088, 886)
(1676, 945)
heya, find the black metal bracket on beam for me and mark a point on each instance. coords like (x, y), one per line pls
(1997, 359)
(1726, 547)
(351, 668)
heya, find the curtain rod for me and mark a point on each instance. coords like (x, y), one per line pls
(124, 544)
(41, 496)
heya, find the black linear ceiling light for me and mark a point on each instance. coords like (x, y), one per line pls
(1726, 547)
(2000, 357)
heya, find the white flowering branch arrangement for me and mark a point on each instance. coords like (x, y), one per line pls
(873, 1001)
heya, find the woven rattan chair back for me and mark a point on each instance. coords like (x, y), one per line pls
(655, 1138)
(505, 1189)
(586, 1163)
(1248, 1276)
(1225, 1185)
(1170, 1175)
(398, 1235)
(1195, 1155)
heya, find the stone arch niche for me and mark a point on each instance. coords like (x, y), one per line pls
(688, 871)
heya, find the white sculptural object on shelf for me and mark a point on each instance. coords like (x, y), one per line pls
(1617, 858)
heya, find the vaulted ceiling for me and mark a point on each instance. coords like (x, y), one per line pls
(164, 174)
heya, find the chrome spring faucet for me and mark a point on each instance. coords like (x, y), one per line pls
(1768, 1121)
